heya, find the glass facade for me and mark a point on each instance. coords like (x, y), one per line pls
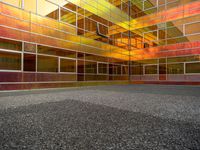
(54, 43)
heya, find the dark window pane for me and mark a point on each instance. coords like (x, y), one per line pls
(102, 68)
(110, 68)
(193, 67)
(102, 30)
(29, 62)
(124, 69)
(80, 66)
(80, 55)
(137, 70)
(90, 67)
(116, 69)
(162, 69)
(80, 77)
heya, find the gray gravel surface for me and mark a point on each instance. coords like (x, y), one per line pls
(120, 117)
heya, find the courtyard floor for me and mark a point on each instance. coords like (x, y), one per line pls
(120, 117)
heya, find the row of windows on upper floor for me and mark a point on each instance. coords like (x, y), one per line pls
(174, 68)
(42, 63)
(11, 61)
(176, 31)
(168, 65)
(13, 45)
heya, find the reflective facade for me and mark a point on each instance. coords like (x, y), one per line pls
(59, 43)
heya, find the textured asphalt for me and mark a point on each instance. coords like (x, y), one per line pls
(124, 117)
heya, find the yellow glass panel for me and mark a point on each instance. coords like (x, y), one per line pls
(192, 28)
(47, 64)
(67, 65)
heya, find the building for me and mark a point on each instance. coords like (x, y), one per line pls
(59, 43)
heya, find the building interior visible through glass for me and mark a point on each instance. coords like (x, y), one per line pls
(54, 43)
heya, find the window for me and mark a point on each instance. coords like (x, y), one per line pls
(102, 68)
(146, 45)
(175, 68)
(174, 32)
(193, 67)
(10, 61)
(117, 69)
(91, 57)
(149, 4)
(81, 55)
(10, 45)
(183, 59)
(29, 62)
(56, 51)
(80, 22)
(90, 67)
(102, 30)
(67, 16)
(80, 66)
(137, 70)
(67, 65)
(151, 69)
(90, 25)
(162, 60)
(28, 47)
(47, 64)
(148, 61)
(161, 34)
(124, 69)
(70, 6)
(192, 28)
(162, 69)
(151, 35)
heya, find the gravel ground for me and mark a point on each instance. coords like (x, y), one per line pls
(154, 117)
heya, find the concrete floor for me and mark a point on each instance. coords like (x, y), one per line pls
(123, 117)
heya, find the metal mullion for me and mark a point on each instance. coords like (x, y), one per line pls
(36, 6)
(22, 4)
(58, 64)
(76, 66)
(97, 67)
(22, 57)
(36, 59)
